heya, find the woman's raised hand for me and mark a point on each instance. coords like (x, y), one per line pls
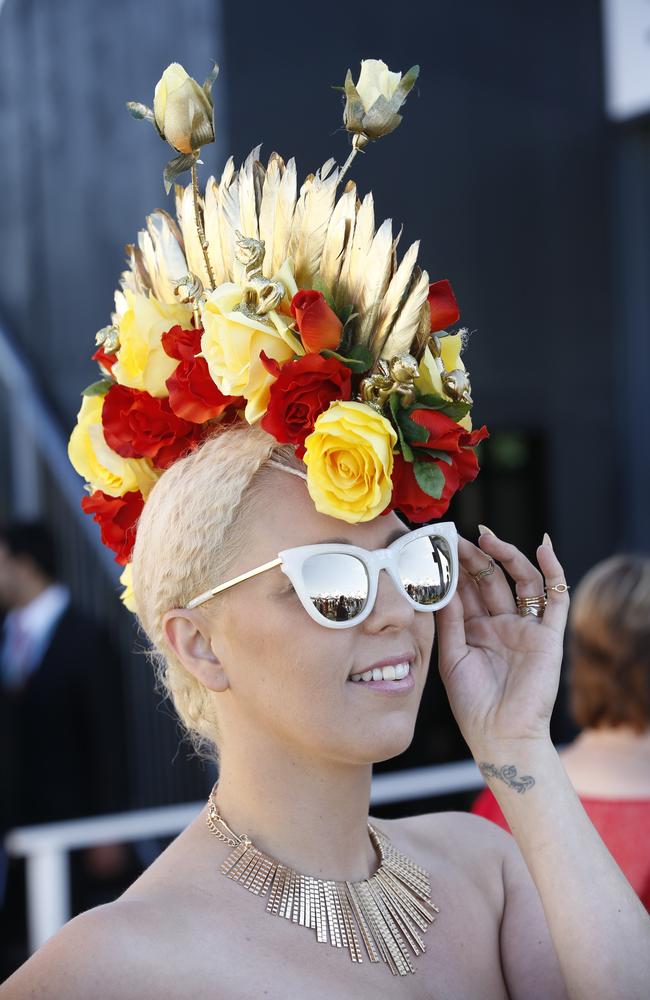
(501, 670)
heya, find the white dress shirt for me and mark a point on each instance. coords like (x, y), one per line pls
(21, 654)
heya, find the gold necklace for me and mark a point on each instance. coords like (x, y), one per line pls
(386, 910)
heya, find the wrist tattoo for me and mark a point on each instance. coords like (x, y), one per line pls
(508, 773)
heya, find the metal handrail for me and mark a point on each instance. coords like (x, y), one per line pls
(46, 847)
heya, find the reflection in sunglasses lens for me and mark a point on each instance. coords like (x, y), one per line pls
(425, 567)
(337, 584)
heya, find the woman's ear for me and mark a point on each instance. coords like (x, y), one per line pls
(188, 633)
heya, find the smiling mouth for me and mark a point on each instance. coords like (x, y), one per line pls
(394, 672)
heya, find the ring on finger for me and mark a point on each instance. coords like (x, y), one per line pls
(488, 571)
(560, 588)
(531, 606)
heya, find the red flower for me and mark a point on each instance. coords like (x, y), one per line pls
(444, 435)
(192, 393)
(117, 517)
(303, 388)
(137, 425)
(442, 305)
(106, 361)
(319, 326)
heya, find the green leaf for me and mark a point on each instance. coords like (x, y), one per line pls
(456, 411)
(430, 478)
(405, 447)
(99, 388)
(139, 111)
(359, 359)
(444, 456)
(319, 285)
(178, 166)
(209, 80)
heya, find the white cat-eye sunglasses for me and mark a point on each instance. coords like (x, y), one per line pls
(337, 583)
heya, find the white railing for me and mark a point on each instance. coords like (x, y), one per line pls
(46, 847)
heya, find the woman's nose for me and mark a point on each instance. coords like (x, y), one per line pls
(391, 606)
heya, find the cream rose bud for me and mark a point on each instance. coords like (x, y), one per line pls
(183, 111)
(372, 105)
(376, 80)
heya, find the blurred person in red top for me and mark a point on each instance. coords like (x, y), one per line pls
(609, 698)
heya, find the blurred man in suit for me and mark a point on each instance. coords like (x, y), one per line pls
(61, 719)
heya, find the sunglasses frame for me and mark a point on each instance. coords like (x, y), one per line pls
(291, 561)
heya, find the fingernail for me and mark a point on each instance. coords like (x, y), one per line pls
(482, 530)
(547, 540)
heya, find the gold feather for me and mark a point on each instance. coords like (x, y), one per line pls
(268, 208)
(283, 217)
(296, 225)
(375, 280)
(408, 319)
(247, 202)
(309, 241)
(229, 219)
(211, 226)
(396, 293)
(354, 264)
(191, 242)
(161, 246)
(339, 233)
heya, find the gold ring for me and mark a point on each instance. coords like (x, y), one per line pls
(531, 606)
(560, 588)
(488, 571)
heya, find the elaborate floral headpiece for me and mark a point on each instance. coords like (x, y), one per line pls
(267, 302)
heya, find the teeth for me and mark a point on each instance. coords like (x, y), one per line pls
(391, 673)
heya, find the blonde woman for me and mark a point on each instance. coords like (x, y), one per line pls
(547, 914)
(609, 692)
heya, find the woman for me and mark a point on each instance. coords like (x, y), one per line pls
(251, 670)
(258, 576)
(609, 691)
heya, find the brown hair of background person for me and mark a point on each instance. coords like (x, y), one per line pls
(609, 645)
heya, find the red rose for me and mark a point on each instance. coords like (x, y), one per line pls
(192, 393)
(117, 517)
(442, 305)
(444, 435)
(319, 326)
(137, 425)
(303, 388)
(106, 361)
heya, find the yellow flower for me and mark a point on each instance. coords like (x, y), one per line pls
(99, 465)
(349, 461)
(231, 345)
(183, 111)
(127, 596)
(429, 380)
(141, 360)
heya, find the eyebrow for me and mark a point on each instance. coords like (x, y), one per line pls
(346, 541)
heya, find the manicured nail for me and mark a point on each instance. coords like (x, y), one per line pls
(547, 540)
(482, 530)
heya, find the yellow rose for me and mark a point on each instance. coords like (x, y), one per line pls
(231, 345)
(183, 111)
(349, 461)
(141, 360)
(99, 465)
(429, 380)
(127, 596)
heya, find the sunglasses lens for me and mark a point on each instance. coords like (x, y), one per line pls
(425, 568)
(337, 585)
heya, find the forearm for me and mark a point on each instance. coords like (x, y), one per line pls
(600, 929)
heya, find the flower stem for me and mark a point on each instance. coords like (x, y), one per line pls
(346, 165)
(199, 225)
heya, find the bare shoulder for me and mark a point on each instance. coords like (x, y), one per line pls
(467, 848)
(103, 952)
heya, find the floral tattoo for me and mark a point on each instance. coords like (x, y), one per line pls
(508, 773)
